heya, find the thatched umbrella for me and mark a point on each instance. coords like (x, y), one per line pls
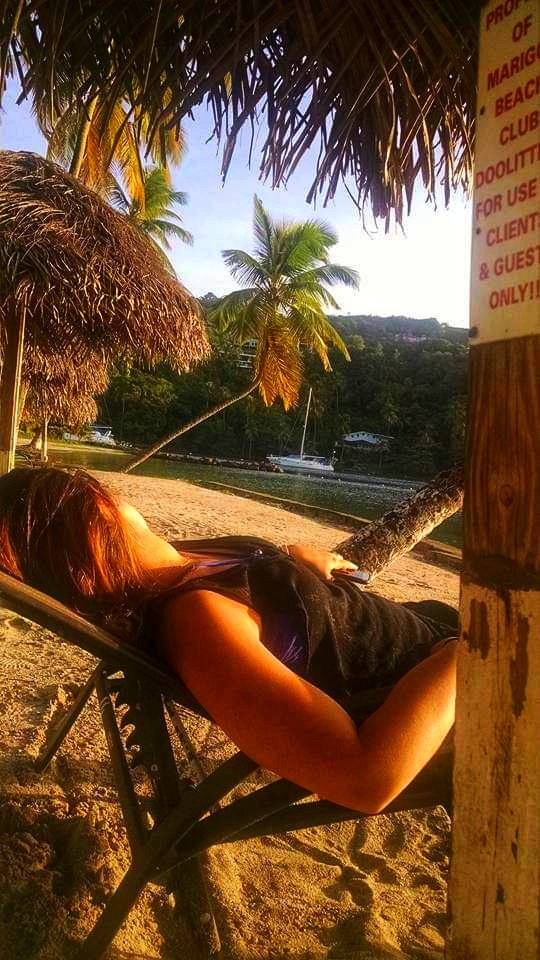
(385, 90)
(80, 284)
(67, 396)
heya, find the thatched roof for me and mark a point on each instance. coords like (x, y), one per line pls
(384, 91)
(90, 284)
(65, 395)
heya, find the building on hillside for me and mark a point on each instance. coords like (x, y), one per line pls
(362, 437)
(247, 354)
(364, 448)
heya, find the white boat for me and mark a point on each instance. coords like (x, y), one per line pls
(102, 435)
(304, 464)
(300, 463)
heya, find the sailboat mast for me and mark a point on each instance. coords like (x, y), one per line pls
(305, 425)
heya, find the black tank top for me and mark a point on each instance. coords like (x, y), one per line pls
(340, 637)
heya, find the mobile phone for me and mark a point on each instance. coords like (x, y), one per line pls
(361, 576)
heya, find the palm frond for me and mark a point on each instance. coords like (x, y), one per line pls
(382, 94)
(239, 314)
(244, 267)
(121, 143)
(314, 330)
(328, 273)
(166, 229)
(262, 231)
(62, 138)
(278, 366)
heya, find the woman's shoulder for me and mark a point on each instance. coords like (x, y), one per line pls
(199, 614)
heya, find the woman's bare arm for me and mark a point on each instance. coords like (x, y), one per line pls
(321, 561)
(291, 727)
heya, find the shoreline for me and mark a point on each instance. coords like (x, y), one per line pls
(346, 477)
(371, 889)
(447, 554)
(435, 551)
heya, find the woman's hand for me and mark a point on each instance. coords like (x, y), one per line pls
(322, 561)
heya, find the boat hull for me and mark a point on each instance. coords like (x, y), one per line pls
(301, 465)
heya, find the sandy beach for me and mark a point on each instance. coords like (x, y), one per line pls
(367, 890)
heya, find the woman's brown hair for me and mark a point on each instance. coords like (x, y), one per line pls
(62, 532)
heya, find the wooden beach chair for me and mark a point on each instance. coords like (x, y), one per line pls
(179, 820)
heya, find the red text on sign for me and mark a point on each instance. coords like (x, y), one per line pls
(503, 10)
(508, 166)
(519, 260)
(520, 127)
(485, 208)
(512, 229)
(515, 65)
(526, 190)
(514, 98)
(518, 293)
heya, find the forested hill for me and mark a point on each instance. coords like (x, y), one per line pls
(406, 379)
(411, 329)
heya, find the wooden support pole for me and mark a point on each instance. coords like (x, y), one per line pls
(10, 383)
(44, 439)
(496, 841)
(495, 869)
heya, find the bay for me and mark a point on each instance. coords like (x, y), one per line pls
(362, 499)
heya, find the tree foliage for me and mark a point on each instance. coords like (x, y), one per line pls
(413, 391)
(155, 217)
(280, 311)
(282, 302)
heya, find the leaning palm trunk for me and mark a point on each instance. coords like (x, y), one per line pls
(82, 136)
(188, 426)
(397, 531)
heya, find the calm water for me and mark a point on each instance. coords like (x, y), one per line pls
(359, 499)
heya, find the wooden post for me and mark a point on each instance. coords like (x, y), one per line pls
(493, 897)
(44, 439)
(10, 385)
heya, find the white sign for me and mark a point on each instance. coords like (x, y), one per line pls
(505, 279)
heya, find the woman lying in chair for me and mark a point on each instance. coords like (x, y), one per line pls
(266, 639)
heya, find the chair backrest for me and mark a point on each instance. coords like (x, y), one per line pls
(72, 628)
(42, 609)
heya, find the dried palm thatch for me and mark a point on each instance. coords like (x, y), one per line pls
(66, 396)
(384, 90)
(88, 279)
(81, 279)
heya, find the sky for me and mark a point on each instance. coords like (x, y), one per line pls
(421, 270)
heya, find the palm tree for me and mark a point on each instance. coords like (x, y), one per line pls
(100, 143)
(155, 217)
(383, 540)
(281, 308)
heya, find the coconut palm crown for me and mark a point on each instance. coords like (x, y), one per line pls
(282, 307)
(155, 217)
(102, 142)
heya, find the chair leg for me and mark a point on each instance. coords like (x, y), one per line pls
(195, 803)
(65, 725)
(188, 883)
(185, 740)
(114, 914)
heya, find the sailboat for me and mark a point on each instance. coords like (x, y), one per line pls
(303, 463)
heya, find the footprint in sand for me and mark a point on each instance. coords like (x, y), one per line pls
(420, 879)
(435, 849)
(396, 840)
(358, 889)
